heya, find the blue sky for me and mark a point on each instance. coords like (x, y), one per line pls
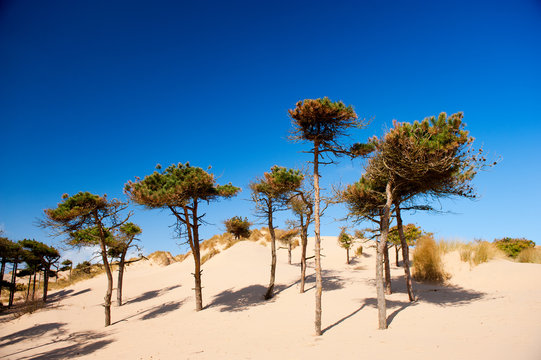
(93, 94)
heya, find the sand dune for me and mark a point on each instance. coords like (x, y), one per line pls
(491, 311)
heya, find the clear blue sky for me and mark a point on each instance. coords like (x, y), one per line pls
(95, 93)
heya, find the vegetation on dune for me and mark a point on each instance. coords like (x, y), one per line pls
(530, 255)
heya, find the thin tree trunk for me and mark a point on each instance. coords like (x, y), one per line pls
(2, 274)
(405, 254)
(387, 262)
(396, 255)
(120, 278)
(269, 294)
(289, 252)
(197, 257)
(28, 287)
(13, 286)
(34, 287)
(347, 255)
(109, 290)
(304, 241)
(384, 227)
(45, 283)
(319, 280)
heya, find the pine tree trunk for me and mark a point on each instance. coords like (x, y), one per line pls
(317, 256)
(289, 252)
(396, 255)
(405, 255)
(347, 256)
(13, 286)
(304, 241)
(45, 283)
(28, 287)
(197, 258)
(270, 290)
(34, 287)
(109, 290)
(384, 227)
(120, 278)
(2, 274)
(387, 262)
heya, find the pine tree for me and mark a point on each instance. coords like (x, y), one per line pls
(181, 188)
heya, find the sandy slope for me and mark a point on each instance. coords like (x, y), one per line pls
(492, 311)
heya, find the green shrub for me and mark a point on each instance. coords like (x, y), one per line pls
(530, 255)
(427, 262)
(359, 250)
(512, 247)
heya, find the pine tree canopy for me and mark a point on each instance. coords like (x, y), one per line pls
(176, 186)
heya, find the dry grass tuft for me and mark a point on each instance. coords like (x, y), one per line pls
(182, 257)
(359, 251)
(255, 235)
(209, 255)
(530, 255)
(427, 261)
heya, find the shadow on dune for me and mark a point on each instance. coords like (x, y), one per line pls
(343, 319)
(162, 309)
(439, 294)
(331, 281)
(151, 294)
(83, 343)
(242, 299)
(34, 331)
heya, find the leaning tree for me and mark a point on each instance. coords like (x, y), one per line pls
(89, 220)
(122, 242)
(181, 188)
(271, 194)
(432, 158)
(323, 123)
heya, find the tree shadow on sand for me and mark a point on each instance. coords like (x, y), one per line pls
(163, 309)
(151, 294)
(239, 300)
(65, 293)
(82, 343)
(331, 280)
(32, 332)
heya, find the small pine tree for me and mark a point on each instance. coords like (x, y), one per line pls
(238, 227)
(345, 241)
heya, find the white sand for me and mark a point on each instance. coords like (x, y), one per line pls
(492, 311)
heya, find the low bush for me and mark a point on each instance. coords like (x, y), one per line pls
(512, 247)
(427, 261)
(359, 250)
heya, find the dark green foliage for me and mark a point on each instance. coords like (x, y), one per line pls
(512, 246)
(322, 121)
(84, 267)
(66, 265)
(411, 233)
(238, 227)
(278, 184)
(177, 186)
(345, 240)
